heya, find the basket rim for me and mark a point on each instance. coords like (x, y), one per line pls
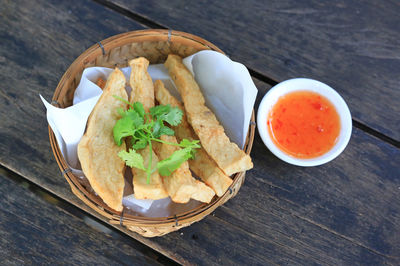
(92, 201)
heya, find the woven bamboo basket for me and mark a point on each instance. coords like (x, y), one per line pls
(155, 45)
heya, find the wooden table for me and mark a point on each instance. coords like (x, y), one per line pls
(344, 212)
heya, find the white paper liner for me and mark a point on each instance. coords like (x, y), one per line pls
(227, 88)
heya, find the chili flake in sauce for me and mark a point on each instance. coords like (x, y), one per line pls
(304, 124)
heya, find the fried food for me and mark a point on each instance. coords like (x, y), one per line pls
(155, 189)
(141, 83)
(181, 185)
(228, 156)
(97, 151)
(101, 83)
(143, 91)
(203, 166)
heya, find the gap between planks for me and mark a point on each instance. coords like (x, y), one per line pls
(305, 219)
(79, 213)
(103, 227)
(270, 81)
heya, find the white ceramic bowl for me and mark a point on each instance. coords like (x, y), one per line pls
(304, 84)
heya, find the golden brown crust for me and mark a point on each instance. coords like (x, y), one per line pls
(203, 192)
(101, 83)
(155, 188)
(203, 166)
(143, 91)
(141, 83)
(181, 185)
(226, 154)
(97, 152)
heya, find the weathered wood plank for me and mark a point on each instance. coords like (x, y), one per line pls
(352, 197)
(35, 232)
(225, 238)
(351, 45)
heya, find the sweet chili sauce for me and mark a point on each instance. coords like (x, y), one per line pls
(304, 124)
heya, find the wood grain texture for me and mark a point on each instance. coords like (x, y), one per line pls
(35, 232)
(345, 212)
(355, 197)
(353, 46)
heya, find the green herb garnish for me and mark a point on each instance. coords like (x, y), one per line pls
(142, 128)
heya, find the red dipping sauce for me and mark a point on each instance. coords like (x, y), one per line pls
(304, 124)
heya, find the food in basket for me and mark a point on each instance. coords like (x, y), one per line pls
(143, 92)
(97, 145)
(228, 156)
(101, 83)
(202, 165)
(158, 161)
(146, 217)
(181, 185)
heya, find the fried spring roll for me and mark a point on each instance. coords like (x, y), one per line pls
(181, 185)
(155, 189)
(143, 91)
(101, 83)
(203, 166)
(228, 156)
(97, 151)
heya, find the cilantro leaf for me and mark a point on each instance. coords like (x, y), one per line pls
(169, 165)
(156, 129)
(159, 129)
(159, 110)
(187, 143)
(138, 107)
(132, 159)
(143, 128)
(173, 117)
(166, 131)
(123, 128)
(140, 144)
(137, 119)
